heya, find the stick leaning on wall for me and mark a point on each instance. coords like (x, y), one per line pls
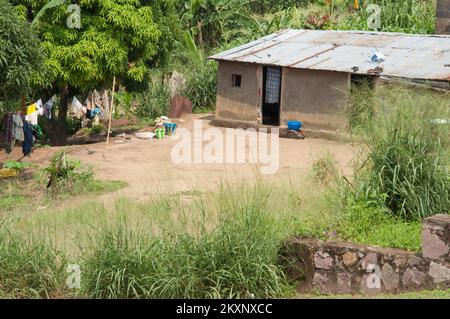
(110, 117)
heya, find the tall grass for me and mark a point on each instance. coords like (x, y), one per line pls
(232, 257)
(407, 156)
(154, 101)
(412, 16)
(29, 269)
(201, 86)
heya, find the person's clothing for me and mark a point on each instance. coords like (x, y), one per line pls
(96, 112)
(18, 128)
(77, 108)
(31, 109)
(32, 118)
(27, 144)
(48, 108)
(39, 104)
(8, 125)
(105, 105)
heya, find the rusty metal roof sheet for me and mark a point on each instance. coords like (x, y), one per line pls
(408, 56)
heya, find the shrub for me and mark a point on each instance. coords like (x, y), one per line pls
(68, 176)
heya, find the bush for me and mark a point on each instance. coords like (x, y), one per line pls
(68, 176)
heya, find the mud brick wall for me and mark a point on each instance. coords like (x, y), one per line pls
(346, 268)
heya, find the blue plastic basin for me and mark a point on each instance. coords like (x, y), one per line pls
(294, 125)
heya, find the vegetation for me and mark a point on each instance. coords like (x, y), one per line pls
(29, 270)
(221, 245)
(407, 163)
(38, 186)
(20, 57)
(235, 258)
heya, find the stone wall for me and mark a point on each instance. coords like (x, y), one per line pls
(346, 268)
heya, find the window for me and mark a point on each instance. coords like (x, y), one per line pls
(236, 80)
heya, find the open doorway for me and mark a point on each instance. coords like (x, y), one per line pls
(271, 96)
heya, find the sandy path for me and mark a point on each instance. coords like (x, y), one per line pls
(147, 166)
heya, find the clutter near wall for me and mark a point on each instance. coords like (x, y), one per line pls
(347, 268)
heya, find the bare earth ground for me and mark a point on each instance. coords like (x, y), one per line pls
(147, 167)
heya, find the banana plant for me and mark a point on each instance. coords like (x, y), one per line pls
(49, 5)
(208, 19)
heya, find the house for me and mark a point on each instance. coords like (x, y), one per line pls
(306, 74)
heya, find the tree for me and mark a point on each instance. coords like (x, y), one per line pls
(20, 54)
(116, 38)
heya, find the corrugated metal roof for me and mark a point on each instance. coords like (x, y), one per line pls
(408, 56)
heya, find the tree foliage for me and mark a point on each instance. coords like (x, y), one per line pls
(115, 38)
(20, 54)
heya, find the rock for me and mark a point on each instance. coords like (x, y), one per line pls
(344, 283)
(391, 279)
(439, 273)
(323, 260)
(371, 283)
(370, 258)
(413, 278)
(400, 262)
(349, 259)
(436, 236)
(321, 283)
(432, 246)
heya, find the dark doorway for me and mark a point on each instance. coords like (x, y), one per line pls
(271, 96)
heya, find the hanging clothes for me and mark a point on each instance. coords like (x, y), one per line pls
(8, 126)
(97, 99)
(77, 108)
(27, 144)
(18, 128)
(48, 108)
(31, 108)
(32, 117)
(96, 112)
(105, 105)
(39, 104)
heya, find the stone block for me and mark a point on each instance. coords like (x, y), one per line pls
(436, 237)
(440, 272)
(323, 260)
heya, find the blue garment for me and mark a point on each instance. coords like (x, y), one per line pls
(27, 144)
(96, 111)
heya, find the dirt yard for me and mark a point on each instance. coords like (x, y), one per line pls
(147, 167)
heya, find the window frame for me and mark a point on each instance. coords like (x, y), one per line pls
(236, 80)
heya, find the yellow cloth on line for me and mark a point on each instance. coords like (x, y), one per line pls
(31, 108)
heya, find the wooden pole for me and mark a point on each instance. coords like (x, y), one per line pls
(24, 106)
(110, 116)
